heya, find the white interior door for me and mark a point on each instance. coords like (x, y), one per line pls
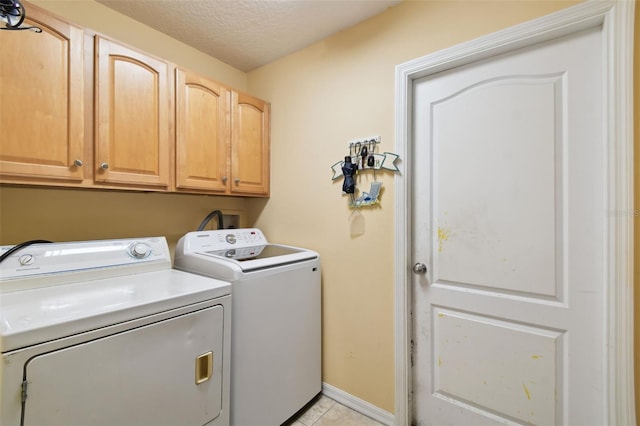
(509, 205)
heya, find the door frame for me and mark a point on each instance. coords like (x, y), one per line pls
(617, 20)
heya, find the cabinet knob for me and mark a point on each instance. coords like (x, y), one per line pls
(77, 163)
(224, 179)
(237, 181)
(104, 166)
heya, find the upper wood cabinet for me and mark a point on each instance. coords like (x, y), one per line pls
(202, 134)
(144, 123)
(250, 145)
(132, 127)
(41, 102)
(222, 139)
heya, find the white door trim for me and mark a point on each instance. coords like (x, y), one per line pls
(617, 19)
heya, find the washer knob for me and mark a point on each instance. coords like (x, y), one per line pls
(140, 250)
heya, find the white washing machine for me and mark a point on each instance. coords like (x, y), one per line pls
(107, 333)
(276, 330)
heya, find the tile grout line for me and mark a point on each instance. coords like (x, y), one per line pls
(333, 403)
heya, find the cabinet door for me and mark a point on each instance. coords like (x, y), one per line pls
(250, 145)
(132, 117)
(202, 133)
(41, 101)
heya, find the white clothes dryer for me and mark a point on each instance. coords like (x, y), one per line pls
(276, 329)
(107, 333)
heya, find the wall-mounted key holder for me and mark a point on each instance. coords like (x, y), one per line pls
(362, 152)
(362, 157)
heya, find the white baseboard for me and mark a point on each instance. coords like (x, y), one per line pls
(357, 404)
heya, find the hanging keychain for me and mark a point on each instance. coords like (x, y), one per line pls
(371, 161)
(363, 156)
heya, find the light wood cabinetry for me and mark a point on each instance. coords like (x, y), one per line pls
(222, 138)
(202, 134)
(250, 145)
(42, 102)
(132, 128)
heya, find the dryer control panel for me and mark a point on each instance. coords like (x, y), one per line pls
(101, 258)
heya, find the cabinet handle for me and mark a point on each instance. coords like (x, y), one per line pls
(104, 166)
(224, 179)
(237, 181)
(77, 163)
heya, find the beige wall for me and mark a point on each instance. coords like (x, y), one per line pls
(322, 96)
(69, 215)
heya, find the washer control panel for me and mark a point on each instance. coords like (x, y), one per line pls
(226, 239)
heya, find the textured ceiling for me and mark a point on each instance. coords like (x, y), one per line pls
(247, 34)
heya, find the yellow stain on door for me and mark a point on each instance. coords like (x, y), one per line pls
(443, 235)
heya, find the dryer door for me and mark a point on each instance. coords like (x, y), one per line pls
(144, 376)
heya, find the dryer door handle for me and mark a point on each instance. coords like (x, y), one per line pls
(204, 367)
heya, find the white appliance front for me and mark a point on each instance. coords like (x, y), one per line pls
(135, 343)
(276, 331)
(276, 344)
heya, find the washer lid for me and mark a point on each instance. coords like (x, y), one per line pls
(39, 315)
(250, 259)
(232, 252)
(244, 254)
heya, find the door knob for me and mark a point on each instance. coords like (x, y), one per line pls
(419, 268)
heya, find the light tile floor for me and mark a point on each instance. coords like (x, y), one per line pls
(323, 411)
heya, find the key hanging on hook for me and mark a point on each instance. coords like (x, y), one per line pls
(363, 156)
(371, 160)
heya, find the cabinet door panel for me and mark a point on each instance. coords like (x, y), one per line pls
(250, 145)
(41, 100)
(132, 119)
(202, 133)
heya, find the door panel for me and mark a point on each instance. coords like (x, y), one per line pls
(509, 162)
(41, 101)
(144, 376)
(250, 145)
(512, 172)
(132, 117)
(517, 384)
(202, 133)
